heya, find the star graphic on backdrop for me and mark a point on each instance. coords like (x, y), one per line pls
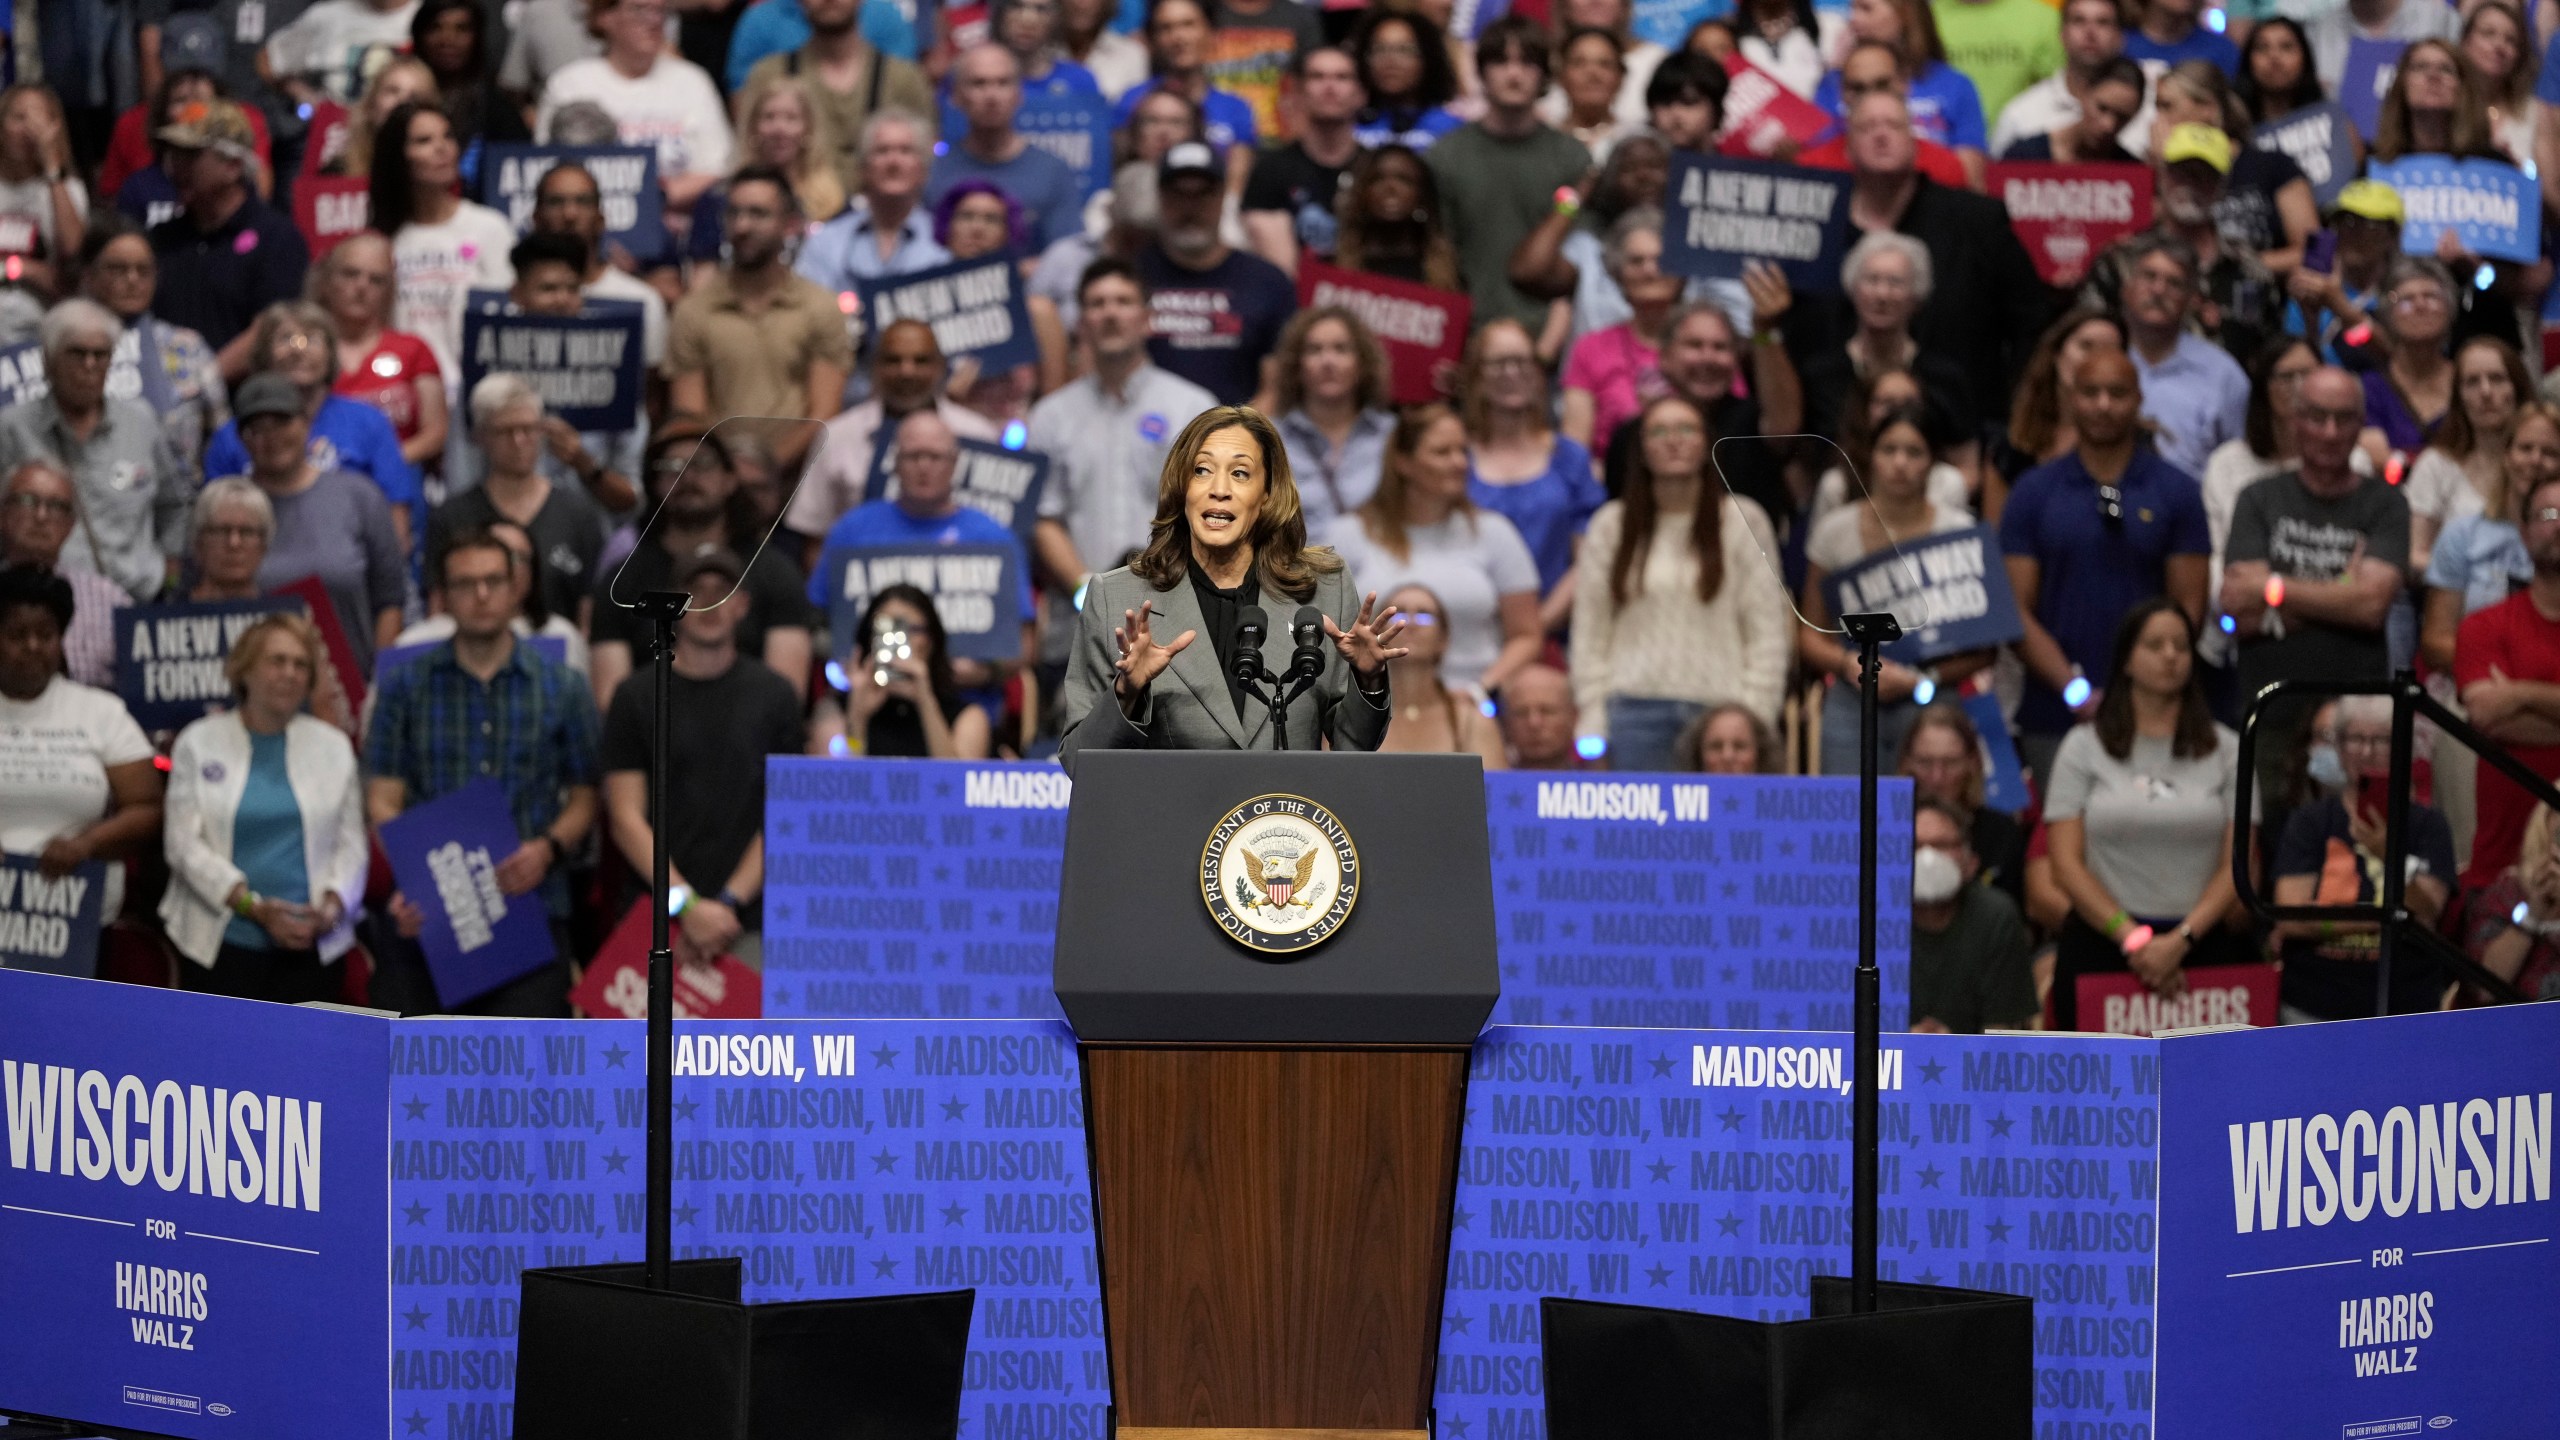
(955, 1108)
(1931, 1070)
(884, 1163)
(781, 910)
(1573, 844)
(1660, 1274)
(942, 789)
(1732, 889)
(995, 915)
(1786, 1019)
(416, 1421)
(942, 873)
(1998, 1231)
(1661, 1065)
(416, 1210)
(1514, 800)
(416, 1315)
(614, 1055)
(954, 1213)
(614, 1160)
(884, 1057)
(1728, 974)
(1927, 1277)
(1565, 929)
(995, 1002)
(1787, 847)
(1786, 934)
(1729, 1224)
(941, 959)
(786, 823)
(1564, 1014)
(1661, 1171)
(1930, 1175)
(1731, 1115)
(1511, 884)
(1455, 1427)
(884, 1268)
(1457, 1322)
(415, 1108)
(687, 1214)
(1511, 971)
(1999, 1125)
(686, 1106)
(995, 831)
(1732, 803)
(779, 996)
(1460, 1216)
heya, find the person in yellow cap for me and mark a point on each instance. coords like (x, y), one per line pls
(2336, 308)
(2238, 301)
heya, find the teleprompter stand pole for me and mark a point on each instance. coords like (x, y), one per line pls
(662, 607)
(1872, 632)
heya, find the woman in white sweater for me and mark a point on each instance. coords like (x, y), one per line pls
(1678, 606)
(265, 829)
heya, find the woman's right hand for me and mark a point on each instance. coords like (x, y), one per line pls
(1141, 658)
(291, 926)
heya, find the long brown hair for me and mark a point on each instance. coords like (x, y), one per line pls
(2467, 134)
(2455, 437)
(2036, 415)
(1289, 382)
(2195, 734)
(1949, 716)
(1279, 539)
(2507, 500)
(1352, 238)
(1383, 515)
(1636, 522)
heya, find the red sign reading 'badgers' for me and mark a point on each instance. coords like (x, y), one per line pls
(2067, 215)
(1422, 329)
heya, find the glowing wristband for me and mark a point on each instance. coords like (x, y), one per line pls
(247, 905)
(2076, 693)
(2275, 592)
(1568, 201)
(679, 898)
(2135, 938)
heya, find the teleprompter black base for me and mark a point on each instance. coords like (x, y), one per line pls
(600, 1356)
(1932, 1362)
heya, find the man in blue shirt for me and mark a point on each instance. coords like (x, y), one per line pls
(2087, 537)
(885, 231)
(2169, 33)
(987, 83)
(1179, 41)
(2193, 393)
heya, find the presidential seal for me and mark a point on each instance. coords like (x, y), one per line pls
(1279, 874)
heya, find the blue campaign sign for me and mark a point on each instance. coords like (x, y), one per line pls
(586, 366)
(445, 855)
(2490, 206)
(976, 307)
(2319, 138)
(1725, 211)
(915, 888)
(192, 1236)
(50, 922)
(1710, 1171)
(137, 372)
(976, 589)
(884, 1157)
(169, 658)
(2004, 780)
(1684, 900)
(626, 179)
(1003, 485)
(2365, 1211)
(1950, 591)
(2371, 64)
(1074, 126)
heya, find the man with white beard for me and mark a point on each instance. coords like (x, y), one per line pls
(1215, 312)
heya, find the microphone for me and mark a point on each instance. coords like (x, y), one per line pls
(1307, 629)
(1251, 626)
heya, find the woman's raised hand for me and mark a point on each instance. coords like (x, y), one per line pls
(1142, 659)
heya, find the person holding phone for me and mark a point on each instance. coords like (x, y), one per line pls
(2332, 854)
(904, 701)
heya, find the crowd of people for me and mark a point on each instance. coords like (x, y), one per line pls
(2272, 436)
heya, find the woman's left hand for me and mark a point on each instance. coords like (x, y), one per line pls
(1371, 641)
(62, 855)
(1771, 298)
(2158, 962)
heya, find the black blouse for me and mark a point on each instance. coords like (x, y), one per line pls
(1219, 611)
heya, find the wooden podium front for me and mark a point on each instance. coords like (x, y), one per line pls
(1274, 1140)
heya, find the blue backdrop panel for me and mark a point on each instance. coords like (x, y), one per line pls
(1693, 901)
(838, 1159)
(1710, 1171)
(911, 888)
(194, 1188)
(919, 888)
(2364, 1211)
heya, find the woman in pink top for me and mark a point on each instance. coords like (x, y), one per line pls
(1612, 373)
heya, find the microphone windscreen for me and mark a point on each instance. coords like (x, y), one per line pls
(1253, 618)
(1308, 627)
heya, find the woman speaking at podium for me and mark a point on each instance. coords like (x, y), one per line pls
(1156, 663)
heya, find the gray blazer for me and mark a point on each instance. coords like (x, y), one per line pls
(1187, 705)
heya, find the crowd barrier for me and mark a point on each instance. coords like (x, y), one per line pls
(928, 889)
(2300, 1232)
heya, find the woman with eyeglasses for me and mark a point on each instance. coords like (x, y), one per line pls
(1679, 606)
(231, 526)
(1521, 467)
(391, 370)
(332, 524)
(180, 376)
(297, 340)
(2406, 399)
(1429, 718)
(1406, 72)
(1608, 370)
(2139, 817)
(1943, 757)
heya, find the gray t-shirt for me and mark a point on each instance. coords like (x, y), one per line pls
(1493, 193)
(362, 579)
(1470, 560)
(2303, 537)
(2153, 822)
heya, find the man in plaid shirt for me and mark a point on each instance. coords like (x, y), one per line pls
(482, 705)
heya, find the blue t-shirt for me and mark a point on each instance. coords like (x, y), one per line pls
(2093, 570)
(1413, 129)
(1944, 106)
(881, 522)
(1038, 181)
(347, 435)
(266, 840)
(1065, 77)
(2546, 86)
(1550, 511)
(778, 27)
(2200, 44)
(1229, 115)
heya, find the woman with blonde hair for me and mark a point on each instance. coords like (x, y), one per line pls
(2512, 925)
(405, 81)
(1522, 467)
(265, 831)
(1330, 396)
(1423, 527)
(1154, 664)
(44, 209)
(784, 126)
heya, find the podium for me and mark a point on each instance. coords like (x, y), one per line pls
(1274, 1120)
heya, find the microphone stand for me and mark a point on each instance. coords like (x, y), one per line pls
(1872, 631)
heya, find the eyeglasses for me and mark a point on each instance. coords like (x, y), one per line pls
(940, 457)
(127, 269)
(44, 505)
(2429, 298)
(2364, 742)
(234, 534)
(2111, 506)
(2543, 516)
(1509, 364)
(478, 584)
(1674, 430)
(88, 355)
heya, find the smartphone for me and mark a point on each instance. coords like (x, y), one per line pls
(2373, 795)
(889, 644)
(2320, 252)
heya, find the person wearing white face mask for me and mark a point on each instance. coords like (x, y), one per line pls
(1970, 965)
